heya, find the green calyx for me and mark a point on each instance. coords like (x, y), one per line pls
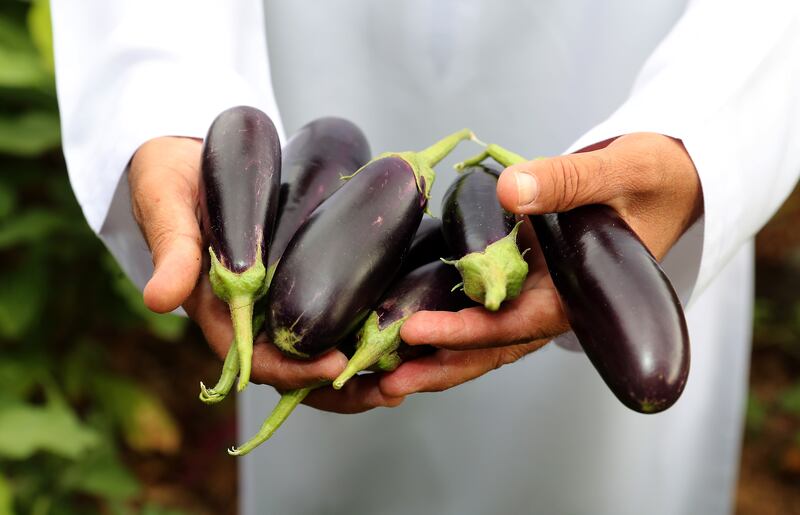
(496, 274)
(422, 162)
(286, 339)
(227, 284)
(387, 362)
(240, 291)
(373, 344)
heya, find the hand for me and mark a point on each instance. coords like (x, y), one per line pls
(165, 183)
(648, 178)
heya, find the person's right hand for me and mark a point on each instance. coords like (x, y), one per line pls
(164, 177)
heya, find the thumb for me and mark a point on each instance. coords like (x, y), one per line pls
(164, 177)
(558, 183)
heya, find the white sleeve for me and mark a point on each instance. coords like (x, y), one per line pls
(726, 81)
(131, 70)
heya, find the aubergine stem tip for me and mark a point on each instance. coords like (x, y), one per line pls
(373, 344)
(230, 369)
(496, 274)
(422, 162)
(503, 156)
(288, 402)
(240, 291)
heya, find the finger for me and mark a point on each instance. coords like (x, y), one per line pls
(271, 366)
(164, 179)
(359, 394)
(212, 316)
(533, 315)
(447, 369)
(537, 268)
(558, 183)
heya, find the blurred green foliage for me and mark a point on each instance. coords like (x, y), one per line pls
(64, 415)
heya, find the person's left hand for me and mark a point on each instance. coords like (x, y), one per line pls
(647, 178)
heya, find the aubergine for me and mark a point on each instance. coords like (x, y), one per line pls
(314, 160)
(241, 170)
(619, 302)
(345, 256)
(429, 287)
(428, 245)
(483, 237)
(378, 344)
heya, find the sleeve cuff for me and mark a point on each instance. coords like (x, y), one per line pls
(183, 102)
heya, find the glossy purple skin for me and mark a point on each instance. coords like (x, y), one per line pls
(428, 288)
(472, 217)
(343, 259)
(428, 245)
(241, 172)
(620, 304)
(314, 161)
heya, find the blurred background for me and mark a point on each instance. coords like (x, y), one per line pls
(98, 410)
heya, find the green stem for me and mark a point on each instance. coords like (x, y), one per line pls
(472, 161)
(503, 156)
(240, 291)
(422, 162)
(231, 366)
(432, 155)
(242, 316)
(286, 405)
(230, 369)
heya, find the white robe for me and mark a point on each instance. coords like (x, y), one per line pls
(543, 435)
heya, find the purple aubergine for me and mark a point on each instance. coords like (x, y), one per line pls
(483, 237)
(428, 245)
(314, 161)
(429, 287)
(619, 302)
(341, 261)
(241, 170)
(425, 288)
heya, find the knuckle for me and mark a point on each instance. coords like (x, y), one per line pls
(566, 182)
(499, 358)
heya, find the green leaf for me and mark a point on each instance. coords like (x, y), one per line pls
(101, 473)
(756, 413)
(22, 296)
(154, 509)
(790, 400)
(145, 423)
(29, 227)
(41, 33)
(20, 65)
(19, 375)
(29, 134)
(167, 327)
(6, 497)
(26, 429)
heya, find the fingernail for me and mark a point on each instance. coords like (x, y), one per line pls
(527, 188)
